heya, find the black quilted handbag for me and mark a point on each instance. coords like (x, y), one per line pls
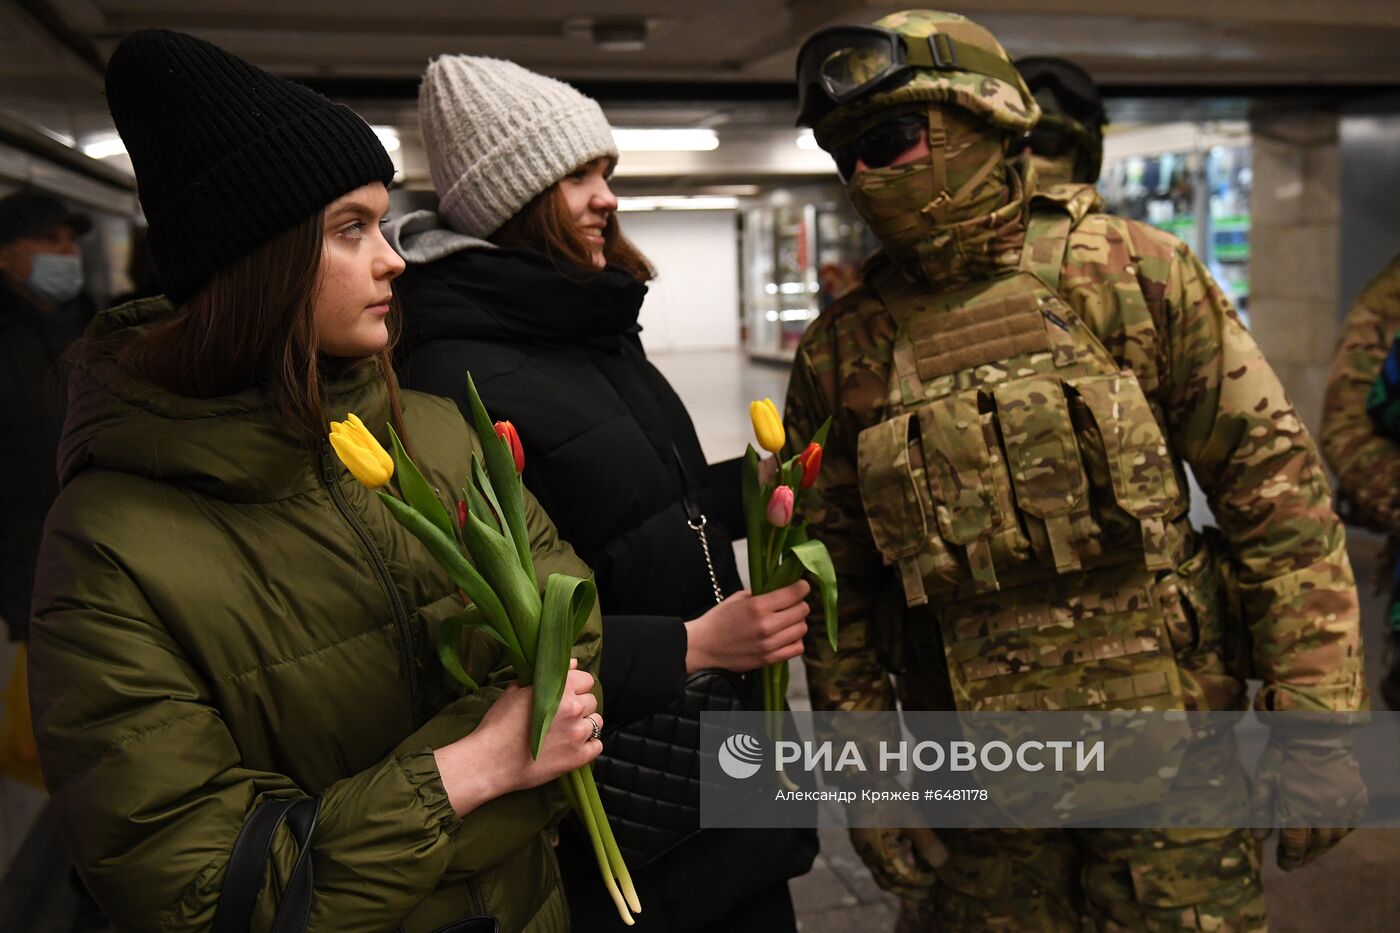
(648, 775)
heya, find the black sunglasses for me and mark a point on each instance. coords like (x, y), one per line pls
(1048, 141)
(880, 145)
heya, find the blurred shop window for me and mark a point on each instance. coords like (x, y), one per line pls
(1193, 181)
(801, 251)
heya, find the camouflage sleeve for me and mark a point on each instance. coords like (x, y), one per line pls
(1367, 463)
(1231, 419)
(852, 678)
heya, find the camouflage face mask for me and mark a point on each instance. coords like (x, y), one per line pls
(940, 214)
(1056, 171)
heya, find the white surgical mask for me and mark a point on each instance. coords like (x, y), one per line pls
(57, 277)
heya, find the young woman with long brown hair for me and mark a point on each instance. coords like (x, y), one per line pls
(524, 278)
(223, 616)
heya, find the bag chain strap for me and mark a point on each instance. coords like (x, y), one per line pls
(699, 528)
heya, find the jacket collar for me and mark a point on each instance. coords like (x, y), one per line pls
(517, 295)
(236, 447)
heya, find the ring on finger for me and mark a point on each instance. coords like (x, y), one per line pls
(597, 726)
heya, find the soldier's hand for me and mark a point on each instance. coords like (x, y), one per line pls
(1311, 788)
(902, 860)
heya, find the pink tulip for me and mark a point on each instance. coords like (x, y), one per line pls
(780, 506)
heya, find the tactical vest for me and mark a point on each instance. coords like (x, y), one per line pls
(1023, 481)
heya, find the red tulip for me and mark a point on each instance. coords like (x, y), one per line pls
(461, 513)
(811, 460)
(506, 432)
(780, 506)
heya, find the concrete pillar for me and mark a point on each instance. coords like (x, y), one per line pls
(1295, 237)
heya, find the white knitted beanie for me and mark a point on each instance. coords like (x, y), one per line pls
(497, 135)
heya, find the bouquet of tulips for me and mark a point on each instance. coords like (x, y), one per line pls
(779, 551)
(484, 546)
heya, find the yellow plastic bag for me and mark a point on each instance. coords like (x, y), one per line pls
(19, 757)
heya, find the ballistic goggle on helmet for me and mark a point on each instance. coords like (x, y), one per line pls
(846, 72)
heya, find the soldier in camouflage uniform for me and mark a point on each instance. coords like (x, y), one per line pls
(1016, 389)
(1365, 459)
(1066, 143)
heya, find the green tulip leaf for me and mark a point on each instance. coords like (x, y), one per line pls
(814, 557)
(500, 467)
(469, 581)
(755, 520)
(495, 559)
(582, 597)
(797, 534)
(449, 636)
(565, 598)
(788, 573)
(518, 663)
(416, 490)
(481, 484)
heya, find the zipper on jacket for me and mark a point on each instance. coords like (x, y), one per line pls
(381, 569)
(478, 901)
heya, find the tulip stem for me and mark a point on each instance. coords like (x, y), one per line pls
(769, 536)
(779, 544)
(577, 793)
(619, 866)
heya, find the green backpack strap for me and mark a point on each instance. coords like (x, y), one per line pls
(1047, 241)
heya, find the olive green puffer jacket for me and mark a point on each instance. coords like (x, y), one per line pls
(222, 616)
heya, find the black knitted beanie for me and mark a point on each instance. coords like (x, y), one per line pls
(227, 156)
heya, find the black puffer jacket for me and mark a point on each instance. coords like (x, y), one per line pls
(610, 452)
(601, 427)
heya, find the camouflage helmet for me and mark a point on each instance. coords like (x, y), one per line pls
(845, 74)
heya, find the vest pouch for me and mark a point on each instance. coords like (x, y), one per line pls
(1139, 463)
(1089, 641)
(1203, 633)
(969, 486)
(1119, 533)
(1042, 457)
(894, 493)
(1095, 640)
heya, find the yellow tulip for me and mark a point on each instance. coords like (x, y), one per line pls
(362, 455)
(767, 425)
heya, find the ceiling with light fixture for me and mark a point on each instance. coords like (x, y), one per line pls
(718, 72)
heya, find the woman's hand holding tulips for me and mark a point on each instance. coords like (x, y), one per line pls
(495, 758)
(746, 632)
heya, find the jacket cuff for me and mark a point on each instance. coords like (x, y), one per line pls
(643, 666)
(1344, 696)
(421, 770)
(724, 483)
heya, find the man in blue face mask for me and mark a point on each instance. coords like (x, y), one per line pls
(42, 311)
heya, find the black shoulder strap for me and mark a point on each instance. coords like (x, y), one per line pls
(248, 863)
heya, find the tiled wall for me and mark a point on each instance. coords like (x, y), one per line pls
(1294, 243)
